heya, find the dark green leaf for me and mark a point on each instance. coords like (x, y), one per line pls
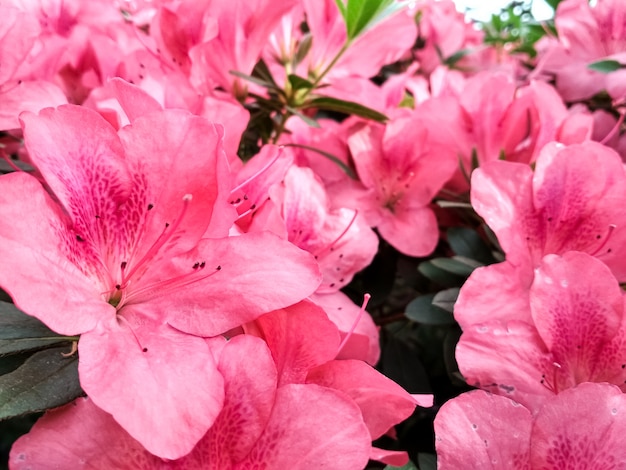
(440, 276)
(347, 107)
(449, 355)
(21, 332)
(46, 380)
(298, 83)
(605, 66)
(427, 461)
(456, 265)
(466, 242)
(402, 364)
(422, 310)
(445, 299)
(5, 167)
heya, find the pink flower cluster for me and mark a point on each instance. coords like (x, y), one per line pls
(204, 292)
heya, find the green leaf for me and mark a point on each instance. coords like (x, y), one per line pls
(456, 265)
(298, 83)
(347, 107)
(20, 332)
(46, 380)
(342, 8)
(440, 276)
(409, 466)
(605, 66)
(362, 15)
(468, 243)
(427, 461)
(422, 310)
(250, 78)
(446, 299)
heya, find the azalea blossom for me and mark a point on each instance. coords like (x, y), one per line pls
(120, 235)
(481, 430)
(262, 424)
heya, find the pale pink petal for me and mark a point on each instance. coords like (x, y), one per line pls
(249, 275)
(311, 427)
(80, 435)
(481, 430)
(559, 441)
(161, 366)
(134, 101)
(18, 32)
(383, 402)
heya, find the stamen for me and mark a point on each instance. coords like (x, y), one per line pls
(165, 236)
(143, 349)
(612, 227)
(366, 299)
(330, 246)
(162, 287)
(258, 173)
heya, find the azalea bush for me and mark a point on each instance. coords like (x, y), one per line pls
(311, 234)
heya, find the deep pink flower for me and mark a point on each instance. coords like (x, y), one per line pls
(262, 424)
(480, 430)
(401, 166)
(118, 258)
(572, 331)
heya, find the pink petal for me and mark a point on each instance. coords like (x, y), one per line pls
(507, 359)
(383, 402)
(80, 435)
(33, 254)
(558, 440)
(578, 309)
(481, 430)
(258, 273)
(363, 342)
(311, 427)
(249, 398)
(413, 232)
(495, 292)
(32, 95)
(186, 159)
(161, 366)
(393, 458)
(300, 337)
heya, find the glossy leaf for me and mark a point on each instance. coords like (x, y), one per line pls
(46, 380)
(20, 332)
(409, 466)
(422, 310)
(445, 299)
(605, 66)
(347, 107)
(467, 243)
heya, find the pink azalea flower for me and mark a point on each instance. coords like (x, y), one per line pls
(401, 166)
(586, 35)
(120, 237)
(480, 430)
(19, 92)
(572, 331)
(262, 424)
(572, 201)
